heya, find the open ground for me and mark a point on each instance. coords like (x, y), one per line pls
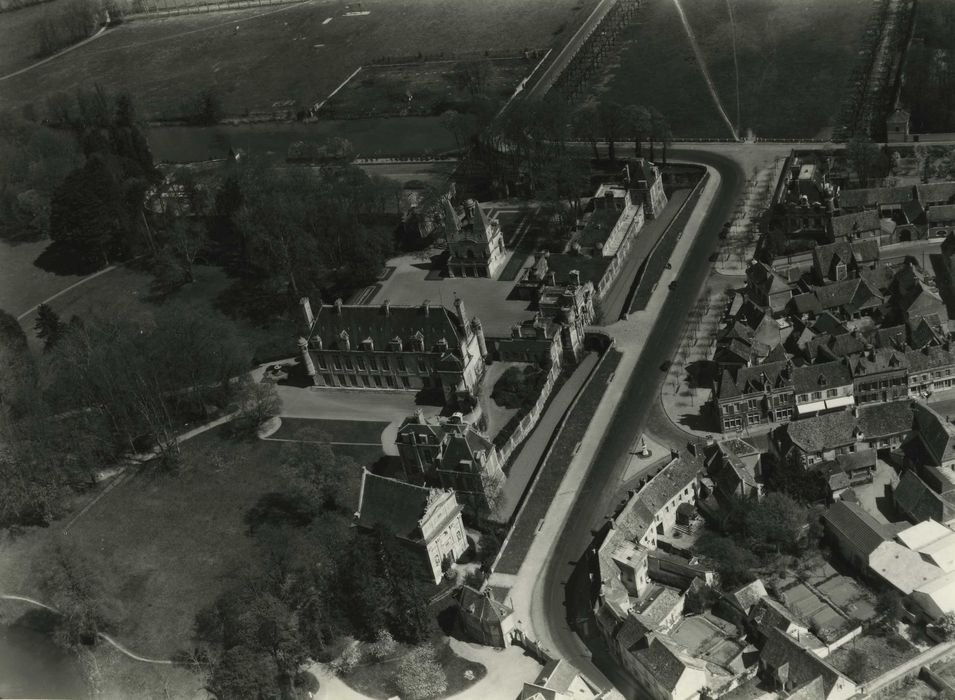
(255, 59)
(794, 59)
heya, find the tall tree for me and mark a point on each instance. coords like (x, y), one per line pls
(48, 326)
(610, 115)
(637, 122)
(862, 154)
(586, 127)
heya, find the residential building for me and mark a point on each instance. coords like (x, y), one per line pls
(824, 387)
(886, 201)
(844, 259)
(881, 374)
(572, 307)
(824, 437)
(664, 671)
(931, 369)
(853, 533)
(485, 620)
(803, 202)
(768, 288)
(850, 299)
(734, 467)
(933, 443)
(787, 665)
(861, 226)
(451, 453)
(559, 680)
(941, 220)
(394, 347)
(916, 500)
(426, 520)
(475, 243)
(756, 395)
(615, 215)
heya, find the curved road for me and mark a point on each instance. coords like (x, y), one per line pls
(565, 588)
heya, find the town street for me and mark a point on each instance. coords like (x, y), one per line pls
(608, 458)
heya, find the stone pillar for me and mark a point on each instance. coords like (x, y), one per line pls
(306, 357)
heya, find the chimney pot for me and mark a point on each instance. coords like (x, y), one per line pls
(386, 307)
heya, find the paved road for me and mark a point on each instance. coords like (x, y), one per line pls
(630, 418)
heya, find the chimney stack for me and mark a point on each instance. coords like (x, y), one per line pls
(575, 277)
(426, 306)
(386, 307)
(338, 306)
(307, 311)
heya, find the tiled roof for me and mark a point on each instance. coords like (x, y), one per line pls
(935, 433)
(926, 330)
(851, 224)
(804, 666)
(397, 505)
(382, 325)
(750, 594)
(919, 502)
(854, 199)
(929, 358)
(826, 431)
(936, 192)
(657, 605)
(853, 524)
(482, 606)
(828, 375)
(878, 360)
(943, 213)
(891, 337)
(831, 430)
(664, 662)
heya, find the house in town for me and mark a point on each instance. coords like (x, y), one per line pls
(824, 437)
(475, 243)
(756, 395)
(559, 680)
(788, 665)
(848, 300)
(844, 259)
(803, 202)
(394, 347)
(931, 369)
(663, 670)
(933, 442)
(572, 307)
(767, 288)
(853, 533)
(826, 386)
(919, 499)
(451, 453)
(734, 466)
(941, 220)
(935, 194)
(848, 470)
(426, 520)
(862, 226)
(485, 620)
(880, 374)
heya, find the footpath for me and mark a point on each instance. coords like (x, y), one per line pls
(526, 586)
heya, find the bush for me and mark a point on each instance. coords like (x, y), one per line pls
(349, 659)
(383, 646)
(519, 389)
(420, 675)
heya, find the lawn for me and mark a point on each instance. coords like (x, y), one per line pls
(289, 53)
(125, 293)
(171, 543)
(794, 58)
(332, 431)
(18, 43)
(553, 470)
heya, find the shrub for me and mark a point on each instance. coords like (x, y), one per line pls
(420, 675)
(349, 659)
(383, 646)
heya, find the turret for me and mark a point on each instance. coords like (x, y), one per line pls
(479, 332)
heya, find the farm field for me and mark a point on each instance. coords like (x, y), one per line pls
(287, 53)
(794, 58)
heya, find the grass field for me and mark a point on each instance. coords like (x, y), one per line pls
(18, 41)
(287, 53)
(125, 293)
(794, 58)
(333, 431)
(423, 89)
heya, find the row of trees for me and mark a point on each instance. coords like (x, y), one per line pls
(66, 25)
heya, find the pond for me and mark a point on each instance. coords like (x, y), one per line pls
(32, 666)
(369, 137)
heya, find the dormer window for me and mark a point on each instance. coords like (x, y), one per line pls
(344, 342)
(419, 341)
(395, 344)
(841, 271)
(368, 345)
(442, 345)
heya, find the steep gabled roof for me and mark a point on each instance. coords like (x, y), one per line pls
(827, 375)
(803, 665)
(935, 433)
(918, 501)
(396, 505)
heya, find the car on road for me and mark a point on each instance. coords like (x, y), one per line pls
(673, 284)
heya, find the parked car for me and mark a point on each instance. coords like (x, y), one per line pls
(665, 367)
(673, 284)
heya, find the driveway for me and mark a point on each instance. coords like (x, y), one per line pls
(507, 671)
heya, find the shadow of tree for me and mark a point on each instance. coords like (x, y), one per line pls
(63, 259)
